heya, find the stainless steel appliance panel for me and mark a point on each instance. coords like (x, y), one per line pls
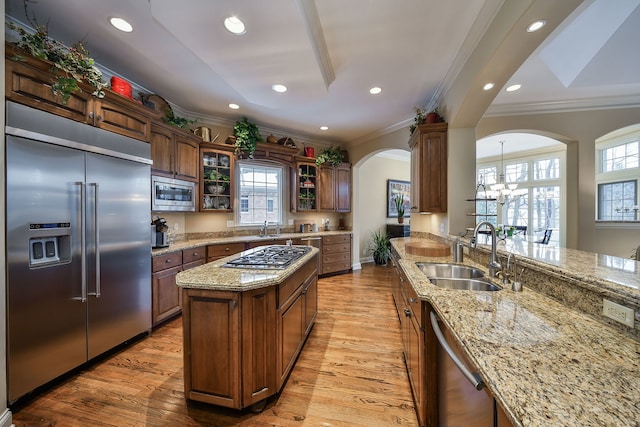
(46, 333)
(118, 251)
(168, 194)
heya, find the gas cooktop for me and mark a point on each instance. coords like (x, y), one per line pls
(274, 257)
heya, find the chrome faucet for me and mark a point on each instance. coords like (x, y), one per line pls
(263, 229)
(494, 265)
(506, 271)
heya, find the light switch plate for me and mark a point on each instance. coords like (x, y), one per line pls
(618, 312)
(290, 222)
(229, 223)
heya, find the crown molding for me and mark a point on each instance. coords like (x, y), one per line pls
(585, 104)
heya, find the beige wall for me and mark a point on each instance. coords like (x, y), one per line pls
(372, 198)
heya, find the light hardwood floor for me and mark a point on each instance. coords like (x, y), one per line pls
(350, 373)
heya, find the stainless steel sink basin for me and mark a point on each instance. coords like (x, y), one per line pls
(449, 270)
(464, 284)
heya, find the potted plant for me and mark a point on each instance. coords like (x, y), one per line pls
(381, 248)
(247, 137)
(399, 201)
(331, 155)
(421, 113)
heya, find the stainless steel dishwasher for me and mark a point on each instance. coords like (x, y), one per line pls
(461, 398)
(316, 242)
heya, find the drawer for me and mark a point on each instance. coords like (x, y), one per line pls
(336, 248)
(194, 254)
(224, 249)
(162, 262)
(341, 238)
(337, 257)
(192, 264)
(335, 266)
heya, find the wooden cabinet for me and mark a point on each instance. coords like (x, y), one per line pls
(29, 82)
(217, 179)
(221, 250)
(429, 168)
(252, 245)
(304, 187)
(335, 188)
(239, 347)
(174, 152)
(336, 253)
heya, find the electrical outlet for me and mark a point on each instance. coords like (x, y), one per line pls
(290, 222)
(618, 312)
(176, 226)
(229, 223)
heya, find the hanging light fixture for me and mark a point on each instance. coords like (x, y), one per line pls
(501, 190)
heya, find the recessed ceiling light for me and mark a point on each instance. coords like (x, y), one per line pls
(234, 106)
(279, 88)
(234, 25)
(535, 26)
(513, 88)
(375, 90)
(324, 127)
(488, 86)
(121, 24)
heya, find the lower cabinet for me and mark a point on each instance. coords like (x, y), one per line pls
(336, 253)
(239, 347)
(165, 295)
(221, 250)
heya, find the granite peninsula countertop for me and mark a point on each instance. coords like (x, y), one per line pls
(212, 276)
(546, 364)
(194, 243)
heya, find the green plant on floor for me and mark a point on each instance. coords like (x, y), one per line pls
(70, 65)
(247, 137)
(381, 247)
(331, 155)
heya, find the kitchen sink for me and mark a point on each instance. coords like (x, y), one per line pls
(464, 284)
(449, 270)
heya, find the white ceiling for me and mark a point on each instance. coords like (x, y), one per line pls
(330, 52)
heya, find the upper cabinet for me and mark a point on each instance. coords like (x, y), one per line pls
(216, 184)
(29, 82)
(304, 186)
(174, 152)
(335, 188)
(429, 168)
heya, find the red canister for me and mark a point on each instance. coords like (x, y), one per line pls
(121, 86)
(309, 151)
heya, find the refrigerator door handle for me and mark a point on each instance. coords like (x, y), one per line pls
(83, 242)
(96, 238)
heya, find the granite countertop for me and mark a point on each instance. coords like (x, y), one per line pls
(212, 276)
(546, 364)
(194, 243)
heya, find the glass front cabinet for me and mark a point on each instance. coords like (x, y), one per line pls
(216, 179)
(305, 180)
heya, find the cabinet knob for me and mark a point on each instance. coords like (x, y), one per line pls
(234, 303)
(407, 312)
(91, 115)
(412, 300)
(99, 118)
(168, 260)
(227, 249)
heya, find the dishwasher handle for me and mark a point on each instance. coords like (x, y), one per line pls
(473, 378)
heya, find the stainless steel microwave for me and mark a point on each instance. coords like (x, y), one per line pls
(169, 194)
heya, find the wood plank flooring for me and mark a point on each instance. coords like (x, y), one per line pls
(350, 373)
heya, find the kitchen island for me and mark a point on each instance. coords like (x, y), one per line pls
(244, 327)
(546, 363)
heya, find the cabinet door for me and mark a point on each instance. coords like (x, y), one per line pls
(165, 295)
(327, 192)
(212, 347)
(415, 349)
(186, 163)
(162, 148)
(216, 180)
(305, 183)
(290, 336)
(119, 115)
(433, 158)
(343, 188)
(258, 345)
(310, 293)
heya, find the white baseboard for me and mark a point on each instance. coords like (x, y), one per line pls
(356, 266)
(5, 419)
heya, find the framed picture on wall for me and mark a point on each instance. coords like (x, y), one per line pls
(403, 189)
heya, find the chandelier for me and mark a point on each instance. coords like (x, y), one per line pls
(502, 191)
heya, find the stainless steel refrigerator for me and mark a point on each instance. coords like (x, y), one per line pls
(78, 247)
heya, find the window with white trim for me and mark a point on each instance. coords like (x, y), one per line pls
(260, 186)
(618, 178)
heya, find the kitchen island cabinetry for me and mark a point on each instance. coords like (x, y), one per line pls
(29, 81)
(335, 188)
(240, 345)
(429, 168)
(174, 152)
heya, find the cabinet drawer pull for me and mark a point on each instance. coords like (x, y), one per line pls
(227, 249)
(234, 303)
(407, 312)
(168, 260)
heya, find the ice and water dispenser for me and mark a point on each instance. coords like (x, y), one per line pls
(49, 244)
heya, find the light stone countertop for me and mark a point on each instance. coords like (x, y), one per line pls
(212, 276)
(546, 364)
(194, 243)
